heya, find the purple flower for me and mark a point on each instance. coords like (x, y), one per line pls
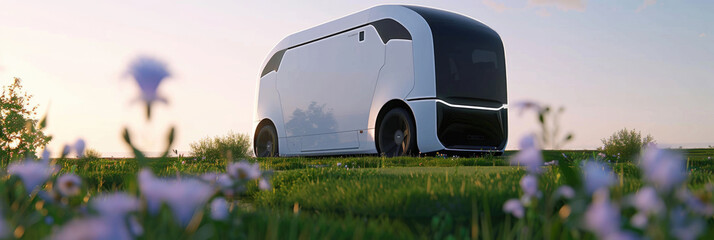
(602, 217)
(527, 105)
(79, 148)
(529, 155)
(684, 227)
(89, 228)
(45, 156)
(646, 200)
(66, 150)
(68, 185)
(647, 203)
(32, 173)
(597, 176)
(513, 206)
(565, 191)
(529, 184)
(664, 169)
(263, 184)
(243, 170)
(116, 205)
(219, 209)
(183, 196)
(4, 230)
(148, 73)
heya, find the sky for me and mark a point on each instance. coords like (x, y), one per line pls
(612, 64)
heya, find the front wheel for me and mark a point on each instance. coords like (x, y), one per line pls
(266, 142)
(397, 134)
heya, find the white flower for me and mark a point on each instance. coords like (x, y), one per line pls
(32, 173)
(115, 205)
(529, 155)
(148, 73)
(79, 148)
(529, 184)
(513, 206)
(565, 191)
(554, 162)
(68, 185)
(339, 164)
(664, 169)
(243, 170)
(602, 217)
(263, 184)
(597, 176)
(601, 155)
(219, 209)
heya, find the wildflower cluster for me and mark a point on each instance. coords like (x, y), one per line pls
(38, 185)
(662, 208)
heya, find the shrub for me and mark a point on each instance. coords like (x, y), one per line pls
(232, 145)
(20, 132)
(625, 144)
(92, 154)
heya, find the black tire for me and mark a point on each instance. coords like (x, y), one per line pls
(396, 135)
(266, 142)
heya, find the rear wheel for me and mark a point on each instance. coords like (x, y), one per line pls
(266, 142)
(396, 134)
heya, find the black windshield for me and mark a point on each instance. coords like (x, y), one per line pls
(470, 66)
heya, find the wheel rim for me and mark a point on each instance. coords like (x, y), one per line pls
(395, 136)
(265, 144)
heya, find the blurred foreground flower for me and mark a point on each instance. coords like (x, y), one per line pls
(527, 105)
(514, 207)
(183, 196)
(243, 170)
(565, 191)
(219, 209)
(529, 184)
(31, 173)
(89, 228)
(115, 205)
(597, 176)
(664, 169)
(68, 185)
(148, 73)
(4, 231)
(529, 155)
(79, 147)
(602, 217)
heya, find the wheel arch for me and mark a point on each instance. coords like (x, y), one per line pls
(265, 121)
(392, 104)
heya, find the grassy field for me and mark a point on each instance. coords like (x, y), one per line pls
(369, 197)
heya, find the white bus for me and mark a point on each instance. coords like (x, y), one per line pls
(392, 80)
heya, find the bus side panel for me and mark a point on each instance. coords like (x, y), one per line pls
(326, 88)
(396, 80)
(268, 107)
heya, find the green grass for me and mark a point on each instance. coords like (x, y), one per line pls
(369, 197)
